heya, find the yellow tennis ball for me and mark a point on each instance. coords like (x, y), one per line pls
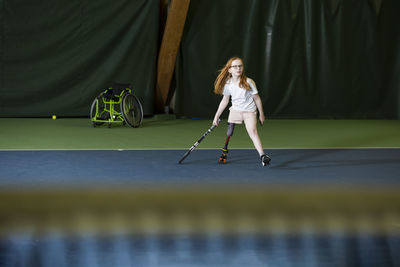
(54, 117)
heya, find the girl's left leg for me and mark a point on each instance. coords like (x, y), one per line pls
(251, 127)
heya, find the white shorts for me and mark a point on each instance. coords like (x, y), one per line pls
(236, 116)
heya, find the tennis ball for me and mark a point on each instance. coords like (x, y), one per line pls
(54, 117)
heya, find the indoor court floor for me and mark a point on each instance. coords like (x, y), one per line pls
(75, 195)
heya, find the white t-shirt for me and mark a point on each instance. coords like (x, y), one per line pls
(242, 99)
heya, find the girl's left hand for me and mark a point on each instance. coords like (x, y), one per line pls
(262, 119)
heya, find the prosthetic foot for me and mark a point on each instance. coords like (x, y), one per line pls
(265, 160)
(223, 158)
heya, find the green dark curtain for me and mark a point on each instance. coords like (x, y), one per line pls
(56, 56)
(309, 59)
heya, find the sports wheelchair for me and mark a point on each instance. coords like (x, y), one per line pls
(117, 104)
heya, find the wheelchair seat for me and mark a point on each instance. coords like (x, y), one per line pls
(115, 92)
(116, 104)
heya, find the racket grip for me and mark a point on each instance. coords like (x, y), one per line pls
(214, 125)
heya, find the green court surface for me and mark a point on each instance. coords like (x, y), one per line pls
(162, 132)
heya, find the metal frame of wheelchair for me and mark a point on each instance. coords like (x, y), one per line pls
(116, 105)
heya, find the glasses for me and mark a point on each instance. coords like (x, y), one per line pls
(237, 66)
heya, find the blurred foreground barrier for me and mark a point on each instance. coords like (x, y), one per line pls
(201, 210)
(200, 227)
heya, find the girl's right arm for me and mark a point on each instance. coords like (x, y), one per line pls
(222, 105)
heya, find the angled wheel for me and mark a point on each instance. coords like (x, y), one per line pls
(132, 110)
(100, 114)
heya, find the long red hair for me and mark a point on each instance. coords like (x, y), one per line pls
(224, 75)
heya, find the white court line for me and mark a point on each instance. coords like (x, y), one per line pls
(203, 148)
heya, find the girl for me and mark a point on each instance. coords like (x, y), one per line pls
(232, 83)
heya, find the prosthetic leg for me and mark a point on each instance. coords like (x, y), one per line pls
(229, 133)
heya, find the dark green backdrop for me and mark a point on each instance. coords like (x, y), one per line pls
(309, 58)
(57, 55)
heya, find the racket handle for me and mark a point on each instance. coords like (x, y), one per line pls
(214, 125)
(198, 142)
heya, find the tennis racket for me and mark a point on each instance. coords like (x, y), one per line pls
(197, 143)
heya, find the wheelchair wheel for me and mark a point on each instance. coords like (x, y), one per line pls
(101, 114)
(132, 110)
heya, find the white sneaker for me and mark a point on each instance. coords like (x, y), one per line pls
(265, 160)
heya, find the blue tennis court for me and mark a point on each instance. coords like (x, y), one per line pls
(289, 167)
